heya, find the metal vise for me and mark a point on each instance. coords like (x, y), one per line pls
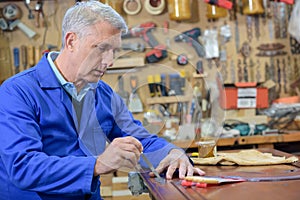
(136, 184)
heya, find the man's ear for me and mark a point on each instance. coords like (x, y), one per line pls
(70, 39)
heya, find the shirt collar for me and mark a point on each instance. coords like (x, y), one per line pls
(69, 86)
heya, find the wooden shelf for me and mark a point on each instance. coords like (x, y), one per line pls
(195, 75)
(169, 99)
(260, 140)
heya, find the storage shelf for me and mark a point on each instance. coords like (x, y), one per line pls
(260, 140)
(169, 99)
(195, 75)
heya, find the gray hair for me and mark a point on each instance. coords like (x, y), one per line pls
(87, 13)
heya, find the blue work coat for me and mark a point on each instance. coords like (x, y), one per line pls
(42, 152)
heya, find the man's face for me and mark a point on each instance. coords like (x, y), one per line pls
(95, 51)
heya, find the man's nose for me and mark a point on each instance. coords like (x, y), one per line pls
(108, 58)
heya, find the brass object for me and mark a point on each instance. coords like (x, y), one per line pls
(253, 7)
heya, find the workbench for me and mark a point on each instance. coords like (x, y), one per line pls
(261, 141)
(281, 182)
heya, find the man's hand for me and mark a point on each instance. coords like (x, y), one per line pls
(122, 152)
(177, 159)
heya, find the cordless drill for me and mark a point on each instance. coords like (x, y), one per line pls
(191, 37)
(143, 31)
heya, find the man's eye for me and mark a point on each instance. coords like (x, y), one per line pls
(102, 49)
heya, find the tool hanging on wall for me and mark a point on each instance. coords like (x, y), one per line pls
(24, 56)
(191, 37)
(278, 75)
(30, 54)
(12, 14)
(40, 16)
(249, 23)
(133, 46)
(16, 53)
(135, 104)
(245, 70)
(271, 49)
(121, 91)
(240, 71)
(256, 27)
(258, 69)
(251, 71)
(210, 42)
(144, 31)
(296, 69)
(275, 9)
(294, 46)
(284, 72)
(232, 71)
(224, 70)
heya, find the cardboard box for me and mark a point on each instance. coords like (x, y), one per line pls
(243, 96)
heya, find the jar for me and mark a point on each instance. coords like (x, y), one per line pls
(179, 10)
(252, 7)
(215, 12)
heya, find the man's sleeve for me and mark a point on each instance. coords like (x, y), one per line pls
(21, 148)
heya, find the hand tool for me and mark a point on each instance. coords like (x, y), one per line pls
(134, 46)
(3, 24)
(143, 31)
(157, 83)
(30, 54)
(249, 28)
(135, 105)
(158, 177)
(258, 74)
(37, 54)
(164, 90)
(284, 76)
(12, 13)
(16, 60)
(24, 56)
(124, 94)
(232, 71)
(191, 37)
(151, 85)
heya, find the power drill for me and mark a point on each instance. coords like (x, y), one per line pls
(191, 37)
(158, 51)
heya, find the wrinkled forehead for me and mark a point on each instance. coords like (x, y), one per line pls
(103, 32)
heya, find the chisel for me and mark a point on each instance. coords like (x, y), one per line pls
(24, 56)
(16, 59)
(158, 177)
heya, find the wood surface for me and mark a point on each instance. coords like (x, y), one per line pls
(257, 186)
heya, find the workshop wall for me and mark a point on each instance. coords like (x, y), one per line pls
(247, 32)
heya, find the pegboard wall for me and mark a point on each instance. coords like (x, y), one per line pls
(238, 38)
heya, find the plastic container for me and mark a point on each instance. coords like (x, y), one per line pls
(253, 7)
(215, 12)
(179, 10)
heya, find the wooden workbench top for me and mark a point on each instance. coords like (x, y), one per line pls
(280, 188)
